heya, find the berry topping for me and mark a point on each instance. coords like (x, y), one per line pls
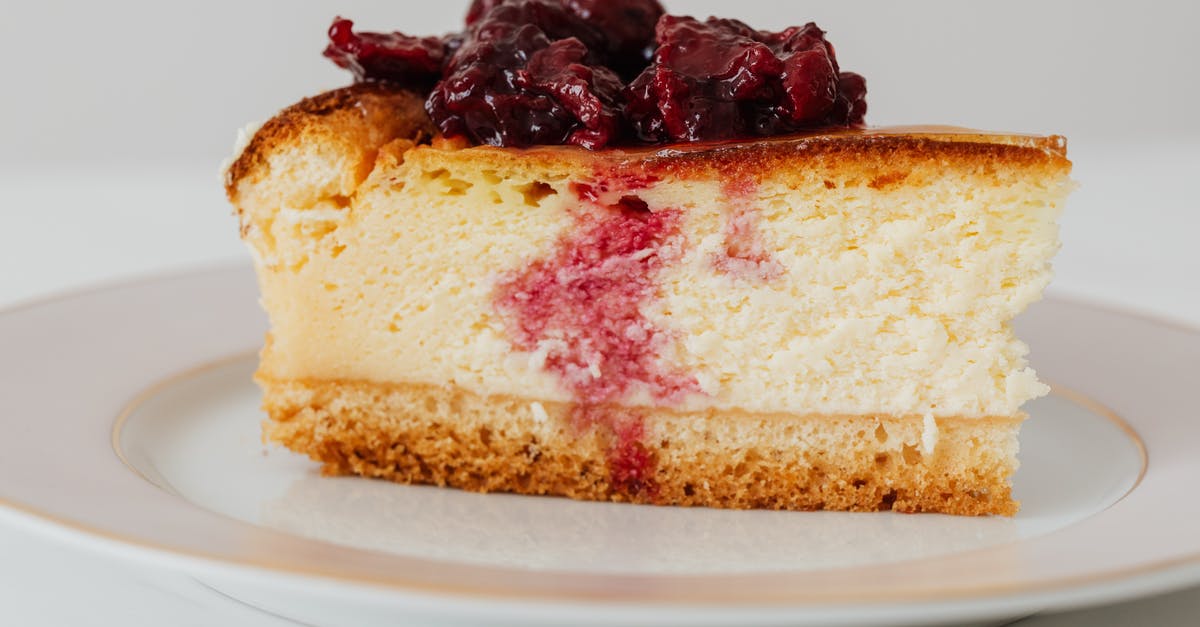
(595, 73)
(411, 61)
(628, 28)
(620, 31)
(479, 8)
(720, 79)
(513, 83)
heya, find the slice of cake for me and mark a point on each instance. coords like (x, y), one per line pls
(812, 320)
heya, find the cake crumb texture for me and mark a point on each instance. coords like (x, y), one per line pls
(414, 433)
(892, 299)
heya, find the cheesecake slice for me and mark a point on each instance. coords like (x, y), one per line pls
(812, 321)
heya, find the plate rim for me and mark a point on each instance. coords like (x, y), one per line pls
(161, 384)
(411, 586)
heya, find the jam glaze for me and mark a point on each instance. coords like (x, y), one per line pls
(579, 312)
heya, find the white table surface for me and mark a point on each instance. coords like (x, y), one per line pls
(1130, 238)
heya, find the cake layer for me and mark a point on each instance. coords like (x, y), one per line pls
(802, 322)
(418, 433)
(848, 273)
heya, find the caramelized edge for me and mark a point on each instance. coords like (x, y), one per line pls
(316, 112)
(738, 158)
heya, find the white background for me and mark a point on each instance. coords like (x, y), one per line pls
(115, 115)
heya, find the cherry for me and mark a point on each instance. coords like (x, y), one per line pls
(411, 61)
(595, 73)
(721, 79)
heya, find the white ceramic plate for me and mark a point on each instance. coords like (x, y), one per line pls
(130, 425)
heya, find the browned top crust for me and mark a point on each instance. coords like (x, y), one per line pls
(393, 113)
(883, 145)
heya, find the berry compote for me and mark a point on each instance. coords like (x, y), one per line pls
(596, 73)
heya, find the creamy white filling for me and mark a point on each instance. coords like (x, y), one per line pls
(929, 434)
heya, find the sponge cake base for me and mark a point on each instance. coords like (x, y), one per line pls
(418, 433)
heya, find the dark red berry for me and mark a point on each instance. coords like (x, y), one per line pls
(621, 31)
(525, 76)
(529, 72)
(410, 61)
(721, 79)
(851, 104)
(628, 27)
(479, 8)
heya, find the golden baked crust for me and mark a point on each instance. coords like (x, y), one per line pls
(374, 114)
(413, 433)
(364, 115)
(881, 156)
